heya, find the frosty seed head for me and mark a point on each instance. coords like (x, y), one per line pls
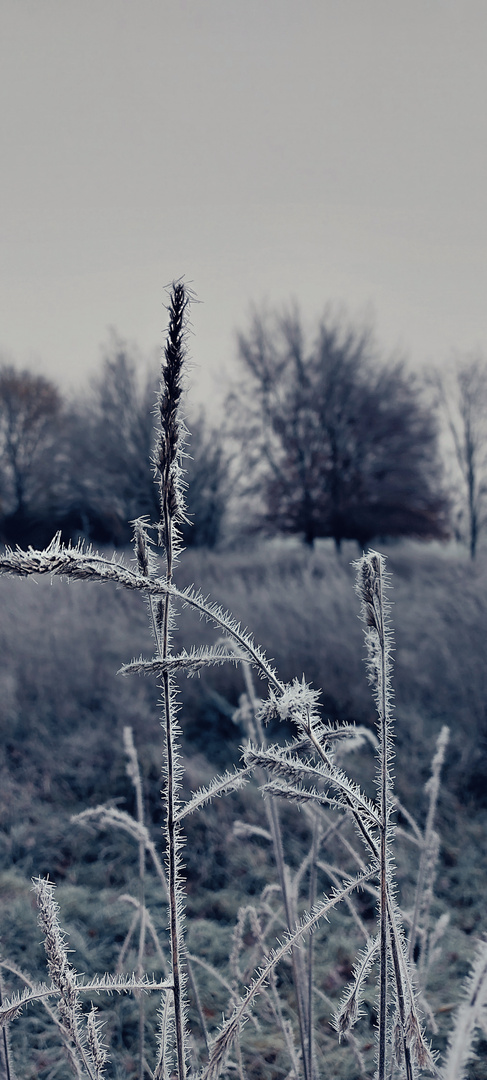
(172, 431)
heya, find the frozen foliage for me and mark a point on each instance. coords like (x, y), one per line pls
(471, 1015)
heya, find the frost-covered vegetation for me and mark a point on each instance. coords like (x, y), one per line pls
(227, 934)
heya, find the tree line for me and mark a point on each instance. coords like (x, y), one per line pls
(83, 468)
(321, 438)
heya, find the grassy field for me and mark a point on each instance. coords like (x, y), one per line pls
(63, 710)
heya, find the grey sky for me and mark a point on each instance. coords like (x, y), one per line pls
(327, 150)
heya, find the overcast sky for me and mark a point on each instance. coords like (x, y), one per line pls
(323, 150)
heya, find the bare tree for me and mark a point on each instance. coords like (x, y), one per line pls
(336, 443)
(462, 393)
(30, 423)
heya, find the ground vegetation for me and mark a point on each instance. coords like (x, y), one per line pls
(261, 888)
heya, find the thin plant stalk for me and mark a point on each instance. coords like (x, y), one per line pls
(384, 815)
(313, 880)
(167, 463)
(5, 1043)
(62, 974)
(432, 787)
(371, 586)
(469, 1016)
(290, 909)
(134, 774)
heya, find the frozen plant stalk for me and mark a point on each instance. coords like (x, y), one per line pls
(470, 1015)
(65, 980)
(167, 461)
(406, 1037)
(371, 585)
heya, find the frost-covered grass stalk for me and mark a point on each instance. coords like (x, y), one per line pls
(133, 772)
(471, 1014)
(253, 725)
(404, 1034)
(5, 1042)
(167, 462)
(429, 857)
(378, 639)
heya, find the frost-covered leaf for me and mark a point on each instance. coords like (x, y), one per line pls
(220, 785)
(109, 984)
(295, 770)
(191, 662)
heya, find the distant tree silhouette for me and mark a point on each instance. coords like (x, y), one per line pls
(208, 485)
(31, 412)
(84, 469)
(336, 443)
(463, 400)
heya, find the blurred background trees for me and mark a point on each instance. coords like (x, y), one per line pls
(336, 443)
(85, 468)
(207, 465)
(322, 438)
(31, 425)
(462, 396)
(111, 480)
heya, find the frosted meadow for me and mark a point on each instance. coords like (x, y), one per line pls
(327, 963)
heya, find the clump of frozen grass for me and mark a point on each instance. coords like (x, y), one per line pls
(81, 1034)
(308, 771)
